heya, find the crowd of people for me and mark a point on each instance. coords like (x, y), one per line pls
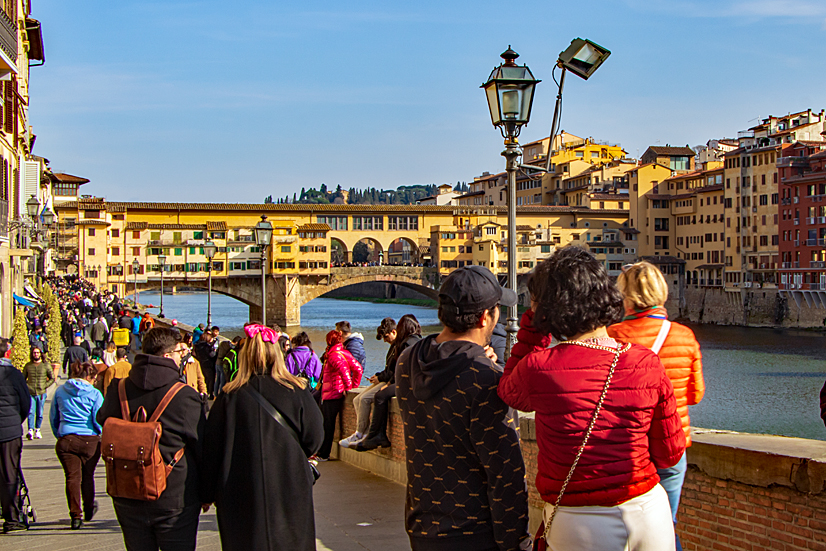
(245, 421)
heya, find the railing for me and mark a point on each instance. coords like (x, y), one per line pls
(797, 221)
(810, 220)
(165, 243)
(815, 242)
(817, 264)
(786, 265)
(787, 162)
(797, 242)
(786, 201)
(816, 286)
(821, 220)
(4, 219)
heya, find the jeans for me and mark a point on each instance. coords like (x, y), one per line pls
(219, 381)
(136, 342)
(672, 480)
(362, 404)
(36, 411)
(330, 409)
(79, 455)
(146, 529)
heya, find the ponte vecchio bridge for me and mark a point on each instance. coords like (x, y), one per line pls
(312, 246)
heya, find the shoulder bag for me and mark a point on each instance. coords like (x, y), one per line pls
(275, 414)
(540, 541)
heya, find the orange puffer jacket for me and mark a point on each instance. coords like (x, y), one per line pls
(680, 355)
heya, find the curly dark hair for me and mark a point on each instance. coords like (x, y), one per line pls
(574, 294)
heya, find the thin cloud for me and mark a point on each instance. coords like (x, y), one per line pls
(752, 9)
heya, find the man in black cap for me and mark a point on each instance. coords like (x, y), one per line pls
(466, 479)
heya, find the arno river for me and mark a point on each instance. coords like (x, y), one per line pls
(757, 380)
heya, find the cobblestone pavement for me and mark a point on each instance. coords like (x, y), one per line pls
(355, 510)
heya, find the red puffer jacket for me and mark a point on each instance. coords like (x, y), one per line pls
(340, 373)
(638, 429)
(680, 355)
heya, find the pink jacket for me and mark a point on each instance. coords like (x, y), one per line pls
(340, 373)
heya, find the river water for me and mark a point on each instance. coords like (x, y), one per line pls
(757, 380)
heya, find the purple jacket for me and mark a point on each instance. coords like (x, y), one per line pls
(303, 359)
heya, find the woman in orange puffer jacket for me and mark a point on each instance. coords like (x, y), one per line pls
(646, 323)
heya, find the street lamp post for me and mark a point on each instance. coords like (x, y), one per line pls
(162, 261)
(510, 91)
(210, 250)
(136, 266)
(263, 238)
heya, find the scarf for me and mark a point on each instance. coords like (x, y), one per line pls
(656, 312)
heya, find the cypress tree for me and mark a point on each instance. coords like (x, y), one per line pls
(20, 350)
(53, 327)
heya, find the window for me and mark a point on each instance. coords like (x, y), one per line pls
(155, 236)
(198, 235)
(136, 235)
(115, 251)
(481, 248)
(234, 266)
(91, 232)
(401, 223)
(179, 252)
(661, 224)
(490, 231)
(679, 163)
(286, 248)
(90, 252)
(545, 248)
(764, 200)
(368, 222)
(136, 251)
(115, 233)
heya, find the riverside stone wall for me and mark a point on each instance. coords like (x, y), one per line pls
(743, 492)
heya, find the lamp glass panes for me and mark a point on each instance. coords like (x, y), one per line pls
(583, 57)
(210, 250)
(509, 90)
(263, 232)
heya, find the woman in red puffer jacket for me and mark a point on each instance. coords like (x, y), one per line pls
(340, 372)
(613, 499)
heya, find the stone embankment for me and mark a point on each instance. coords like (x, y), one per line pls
(742, 491)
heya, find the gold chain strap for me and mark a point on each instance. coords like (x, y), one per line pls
(617, 351)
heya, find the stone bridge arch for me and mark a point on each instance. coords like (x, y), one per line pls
(421, 280)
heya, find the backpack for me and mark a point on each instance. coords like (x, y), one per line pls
(311, 382)
(231, 364)
(129, 448)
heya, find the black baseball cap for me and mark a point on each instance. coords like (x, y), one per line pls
(473, 289)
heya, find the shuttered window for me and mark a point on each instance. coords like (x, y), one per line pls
(9, 101)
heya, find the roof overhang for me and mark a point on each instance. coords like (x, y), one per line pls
(35, 35)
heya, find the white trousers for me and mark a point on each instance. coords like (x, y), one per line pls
(640, 524)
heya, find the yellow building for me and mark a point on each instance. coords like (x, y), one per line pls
(651, 210)
(21, 47)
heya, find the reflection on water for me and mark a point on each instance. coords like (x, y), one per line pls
(757, 380)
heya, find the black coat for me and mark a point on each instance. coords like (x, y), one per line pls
(256, 473)
(15, 401)
(183, 423)
(73, 355)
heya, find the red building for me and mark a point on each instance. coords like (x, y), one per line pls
(802, 224)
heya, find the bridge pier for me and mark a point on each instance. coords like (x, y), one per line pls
(283, 301)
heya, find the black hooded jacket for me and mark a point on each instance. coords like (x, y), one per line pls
(183, 423)
(466, 479)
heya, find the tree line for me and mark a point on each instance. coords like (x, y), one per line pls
(402, 195)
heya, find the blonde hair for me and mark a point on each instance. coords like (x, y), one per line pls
(643, 285)
(257, 357)
(111, 347)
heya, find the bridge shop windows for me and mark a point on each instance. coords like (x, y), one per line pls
(368, 222)
(335, 222)
(285, 265)
(401, 223)
(312, 265)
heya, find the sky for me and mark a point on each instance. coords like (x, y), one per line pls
(207, 101)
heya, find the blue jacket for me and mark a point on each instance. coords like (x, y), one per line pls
(355, 346)
(136, 325)
(74, 407)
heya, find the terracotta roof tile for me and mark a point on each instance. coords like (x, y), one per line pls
(668, 150)
(216, 226)
(68, 178)
(314, 227)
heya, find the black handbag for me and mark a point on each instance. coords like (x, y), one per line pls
(275, 414)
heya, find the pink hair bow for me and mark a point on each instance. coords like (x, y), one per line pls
(267, 334)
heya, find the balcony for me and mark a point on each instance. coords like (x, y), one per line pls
(817, 264)
(795, 200)
(797, 221)
(785, 265)
(4, 219)
(821, 220)
(792, 162)
(810, 220)
(786, 201)
(797, 242)
(816, 242)
(817, 287)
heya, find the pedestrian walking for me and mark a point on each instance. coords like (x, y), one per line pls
(109, 355)
(72, 417)
(256, 468)
(193, 375)
(74, 354)
(39, 377)
(646, 323)
(606, 417)
(466, 477)
(206, 352)
(119, 370)
(340, 373)
(99, 332)
(15, 403)
(171, 521)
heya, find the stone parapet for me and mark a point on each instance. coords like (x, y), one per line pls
(742, 491)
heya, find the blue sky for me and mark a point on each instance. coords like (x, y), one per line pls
(231, 102)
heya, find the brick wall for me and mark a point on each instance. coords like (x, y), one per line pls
(742, 491)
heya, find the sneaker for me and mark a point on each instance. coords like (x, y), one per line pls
(76, 523)
(318, 459)
(30, 434)
(14, 527)
(368, 444)
(351, 440)
(37, 434)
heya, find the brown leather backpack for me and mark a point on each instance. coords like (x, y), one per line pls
(129, 447)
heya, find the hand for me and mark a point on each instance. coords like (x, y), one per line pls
(374, 379)
(490, 353)
(205, 507)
